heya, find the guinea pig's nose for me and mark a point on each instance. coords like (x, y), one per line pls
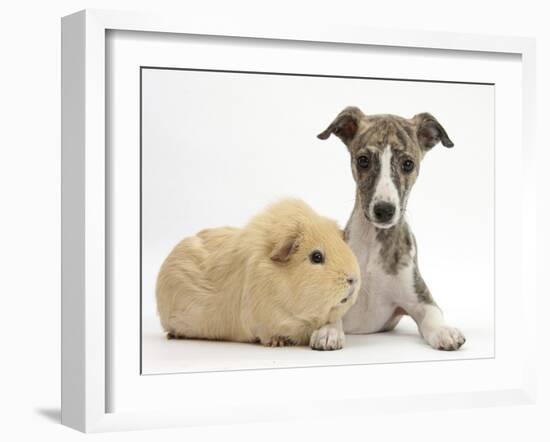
(351, 280)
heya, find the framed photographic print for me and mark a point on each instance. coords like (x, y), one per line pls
(239, 202)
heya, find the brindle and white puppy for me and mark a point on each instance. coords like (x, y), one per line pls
(386, 151)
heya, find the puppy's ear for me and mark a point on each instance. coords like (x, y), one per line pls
(345, 125)
(285, 248)
(430, 132)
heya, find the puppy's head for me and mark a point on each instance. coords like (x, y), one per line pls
(386, 151)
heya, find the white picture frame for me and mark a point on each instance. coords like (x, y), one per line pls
(86, 355)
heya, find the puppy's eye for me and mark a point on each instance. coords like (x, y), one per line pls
(407, 166)
(363, 161)
(317, 257)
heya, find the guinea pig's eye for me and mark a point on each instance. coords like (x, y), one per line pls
(407, 165)
(317, 257)
(363, 161)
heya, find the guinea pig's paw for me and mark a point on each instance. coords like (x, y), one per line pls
(278, 341)
(446, 338)
(328, 337)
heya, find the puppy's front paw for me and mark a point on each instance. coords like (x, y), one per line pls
(328, 337)
(446, 338)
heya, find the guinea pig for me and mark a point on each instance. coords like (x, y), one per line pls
(287, 273)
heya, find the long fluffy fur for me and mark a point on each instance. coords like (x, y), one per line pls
(257, 283)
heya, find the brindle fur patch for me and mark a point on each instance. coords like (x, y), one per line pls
(396, 246)
(366, 178)
(422, 292)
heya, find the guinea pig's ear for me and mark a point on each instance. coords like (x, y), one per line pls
(430, 132)
(345, 125)
(285, 248)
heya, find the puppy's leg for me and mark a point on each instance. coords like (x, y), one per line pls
(434, 330)
(328, 337)
(429, 319)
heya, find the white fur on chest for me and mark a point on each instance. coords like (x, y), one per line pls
(381, 293)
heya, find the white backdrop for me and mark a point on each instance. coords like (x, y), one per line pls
(30, 174)
(217, 147)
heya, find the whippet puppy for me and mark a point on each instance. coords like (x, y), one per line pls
(386, 151)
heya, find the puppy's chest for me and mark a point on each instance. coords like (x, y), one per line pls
(378, 284)
(375, 279)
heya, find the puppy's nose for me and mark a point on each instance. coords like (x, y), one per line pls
(383, 212)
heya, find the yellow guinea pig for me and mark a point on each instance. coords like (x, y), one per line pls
(279, 279)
